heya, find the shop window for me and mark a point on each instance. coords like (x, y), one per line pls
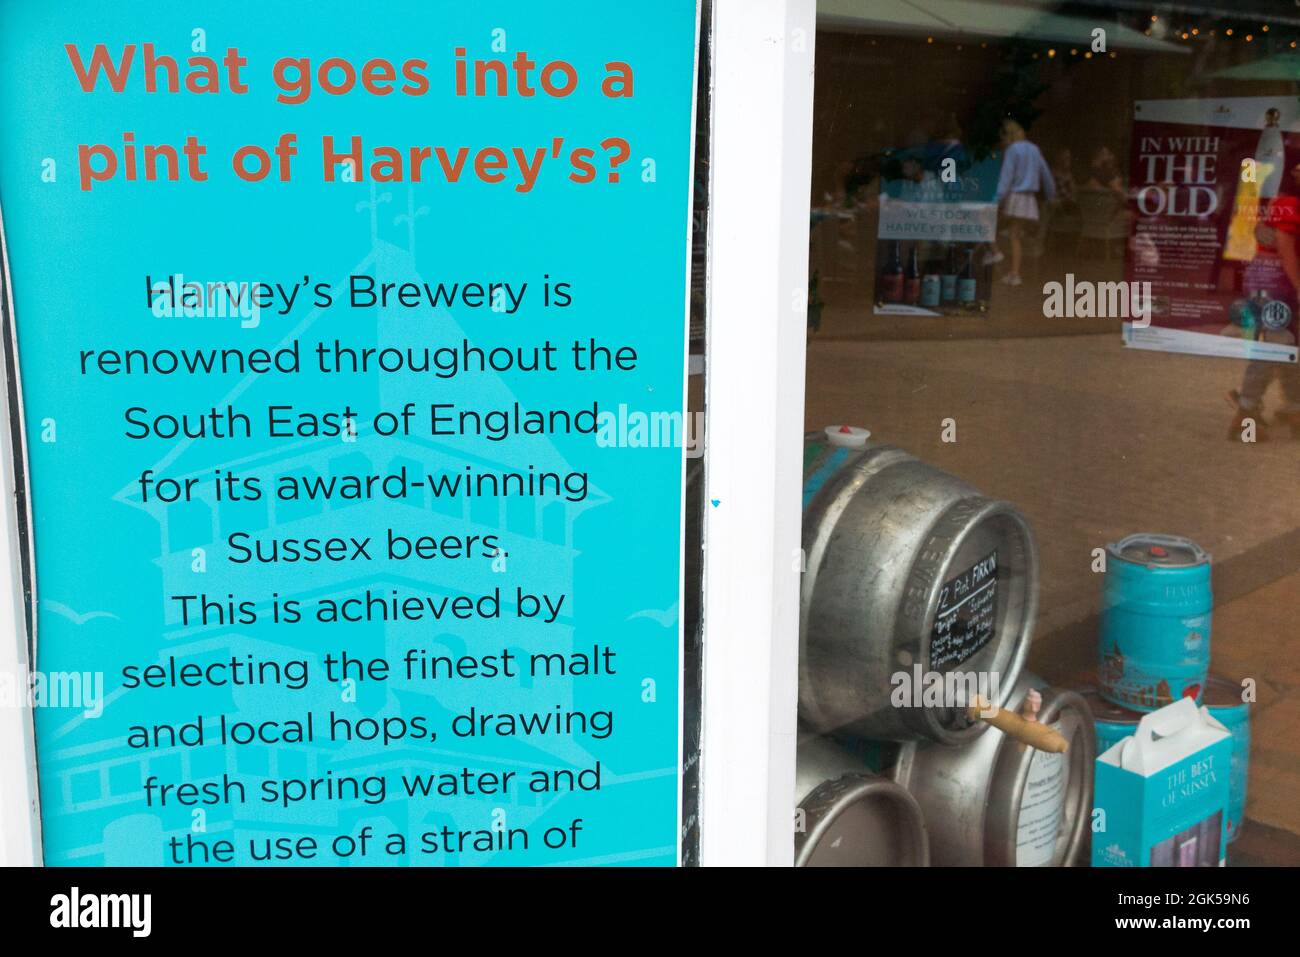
(206, 762)
(189, 525)
(167, 767)
(255, 761)
(521, 516)
(1057, 267)
(446, 504)
(245, 514)
(485, 512)
(85, 786)
(303, 506)
(354, 463)
(123, 778)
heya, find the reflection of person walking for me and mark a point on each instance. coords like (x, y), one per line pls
(1024, 176)
(1273, 278)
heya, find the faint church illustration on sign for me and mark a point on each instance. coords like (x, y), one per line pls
(90, 793)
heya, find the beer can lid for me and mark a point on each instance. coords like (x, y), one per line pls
(1223, 693)
(847, 436)
(1165, 551)
(1107, 711)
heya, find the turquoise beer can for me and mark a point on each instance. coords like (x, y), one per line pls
(1155, 622)
(1224, 699)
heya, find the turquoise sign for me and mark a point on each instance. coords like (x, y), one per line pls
(352, 345)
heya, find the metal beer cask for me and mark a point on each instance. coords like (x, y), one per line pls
(974, 797)
(1155, 621)
(852, 818)
(893, 548)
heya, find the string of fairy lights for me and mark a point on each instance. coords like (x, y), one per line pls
(1165, 28)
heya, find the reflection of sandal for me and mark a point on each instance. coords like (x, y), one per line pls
(993, 258)
(1011, 279)
(1237, 428)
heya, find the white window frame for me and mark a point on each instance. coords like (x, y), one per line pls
(760, 181)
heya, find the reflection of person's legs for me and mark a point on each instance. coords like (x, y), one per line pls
(1016, 228)
(1254, 383)
(1290, 414)
(1289, 374)
(1250, 397)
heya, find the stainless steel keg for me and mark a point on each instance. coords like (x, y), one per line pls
(906, 565)
(849, 817)
(998, 803)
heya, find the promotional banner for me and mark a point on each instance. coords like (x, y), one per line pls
(1214, 215)
(352, 346)
(938, 224)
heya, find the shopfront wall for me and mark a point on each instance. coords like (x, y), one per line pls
(953, 299)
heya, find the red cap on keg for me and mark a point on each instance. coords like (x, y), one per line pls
(847, 436)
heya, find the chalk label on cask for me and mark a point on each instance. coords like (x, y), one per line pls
(967, 614)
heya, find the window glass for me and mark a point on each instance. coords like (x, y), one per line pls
(1053, 262)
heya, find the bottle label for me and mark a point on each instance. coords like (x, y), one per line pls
(930, 293)
(966, 290)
